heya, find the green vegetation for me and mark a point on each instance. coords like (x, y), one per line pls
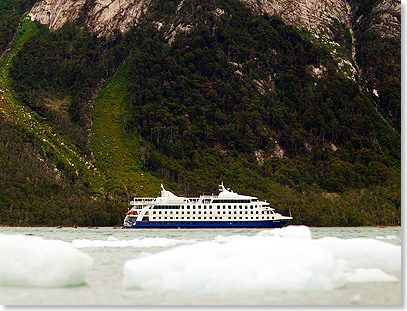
(117, 153)
(232, 99)
(36, 191)
(42, 176)
(11, 12)
(380, 60)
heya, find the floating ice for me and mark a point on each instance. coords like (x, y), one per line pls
(114, 242)
(285, 259)
(364, 253)
(298, 232)
(34, 262)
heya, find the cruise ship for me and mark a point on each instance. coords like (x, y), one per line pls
(225, 210)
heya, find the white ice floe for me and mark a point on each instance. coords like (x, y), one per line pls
(298, 232)
(27, 261)
(364, 253)
(114, 242)
(285, 259)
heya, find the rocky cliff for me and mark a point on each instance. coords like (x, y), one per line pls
(316, 16)
(320, 17)
(103, 16)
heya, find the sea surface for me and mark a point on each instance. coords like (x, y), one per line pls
(111, 248)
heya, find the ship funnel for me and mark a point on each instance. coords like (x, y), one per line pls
(166, 193)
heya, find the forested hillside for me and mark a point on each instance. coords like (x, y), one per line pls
(236, 97)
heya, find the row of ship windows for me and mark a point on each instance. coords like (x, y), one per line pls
(160, 218)
(232, 201)
(220, 212)
(194, 223)
(202, 206)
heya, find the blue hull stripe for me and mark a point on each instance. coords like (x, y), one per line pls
(207, 224)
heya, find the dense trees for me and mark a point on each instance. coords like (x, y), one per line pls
(234, 98)
(11, 12)
(242, 84)
(57, 74)
(379, 57)
(35, 191)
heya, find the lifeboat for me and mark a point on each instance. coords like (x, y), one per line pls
(131, 213)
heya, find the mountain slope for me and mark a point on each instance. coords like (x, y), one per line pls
(199, 92)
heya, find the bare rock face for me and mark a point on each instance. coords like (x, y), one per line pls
(313, 15)
(316, 16)
(108, 15)
(386, 19)
(56, 13)
(103, 18)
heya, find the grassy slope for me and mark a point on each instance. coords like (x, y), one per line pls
(117, 167)
(19, 114)
(117, 152)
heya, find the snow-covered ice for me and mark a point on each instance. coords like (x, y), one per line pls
(286, 259)
(27, 261)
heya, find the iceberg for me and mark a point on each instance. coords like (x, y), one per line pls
(27, 261)
(286, 259)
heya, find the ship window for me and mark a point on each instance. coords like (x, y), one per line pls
(199, 206)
